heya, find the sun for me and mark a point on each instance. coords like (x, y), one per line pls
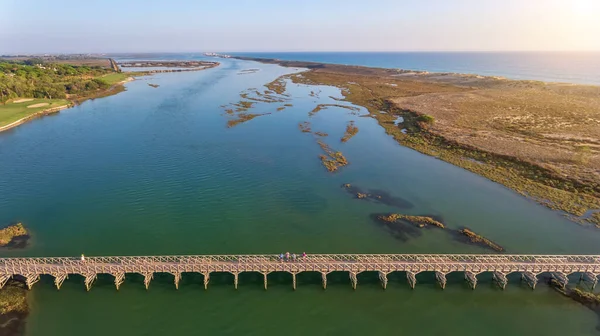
(585, 8)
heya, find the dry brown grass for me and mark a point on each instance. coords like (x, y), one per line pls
(304, 127)
(477, 239)
(333, 160)
(539, 139)
(541, 126)
(8, 233)
(351, 130)
(277, 86)
(422, 221)
(241, 118)
(353, 110)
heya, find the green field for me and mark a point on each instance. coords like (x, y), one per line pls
(116, 77)
(11, 112)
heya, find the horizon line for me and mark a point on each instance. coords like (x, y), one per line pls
(302, 51)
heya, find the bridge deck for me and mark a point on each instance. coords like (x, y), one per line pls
(560, 266)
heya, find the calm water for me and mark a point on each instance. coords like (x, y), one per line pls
(571, 67)
(155, 171)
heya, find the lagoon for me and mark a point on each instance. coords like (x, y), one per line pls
(156, 171)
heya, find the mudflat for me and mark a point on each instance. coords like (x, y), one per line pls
(539, 139)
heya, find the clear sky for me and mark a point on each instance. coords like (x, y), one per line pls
(50, 26)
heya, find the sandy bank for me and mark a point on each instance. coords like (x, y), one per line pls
(22, 100)
(35, 115)
(38, 105)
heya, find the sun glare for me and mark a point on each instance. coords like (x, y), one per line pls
(585, 8)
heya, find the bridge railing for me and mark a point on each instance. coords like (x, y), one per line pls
(311, 258)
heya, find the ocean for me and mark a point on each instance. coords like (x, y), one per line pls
(570, 67)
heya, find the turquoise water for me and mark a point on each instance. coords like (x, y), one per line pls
(156, 171)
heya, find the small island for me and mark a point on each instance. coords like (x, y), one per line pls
(167, 64)
(13, 308)
(418, 221)
(476, 239)
(13, 296)
(176, 66)
(397, 223)
(14, 235)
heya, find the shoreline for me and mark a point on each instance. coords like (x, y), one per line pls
(114, 89)
(545, 168)
(14, 307)
(401, 71)
(117, 88)
(36, 115)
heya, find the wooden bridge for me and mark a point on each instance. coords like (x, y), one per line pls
(529, 266)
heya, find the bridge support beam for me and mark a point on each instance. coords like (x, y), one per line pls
(3, 279)
(353, 279)
(412, 279)
(589, 277)
(383, 278)
(235, 280)
(500, 279)
(471, 279)
(59, 278)
(147, 278)
(177, 278)
(441, 279)
(561, 278)
(89, 280)
(294, 280)
(206, 279)
(530, 278)
(265, 279)
(324, 279)
(119, 279)
(31, 279)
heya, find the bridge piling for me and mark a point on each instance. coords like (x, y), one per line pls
(119, 279)
(265, 279)
(530, 278)
(147, 278)
(441, 279)
(324, 279)
(588, 277)
(293, 280)
(471, 279)
(31, 279)
(383, 278)
(177, 276)
(353, 279)
(206, 280)
(59, 278)
(89, 280)
(500, 279)
(412, 279)
(4, 279)
(561, 278)
(235, 280)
